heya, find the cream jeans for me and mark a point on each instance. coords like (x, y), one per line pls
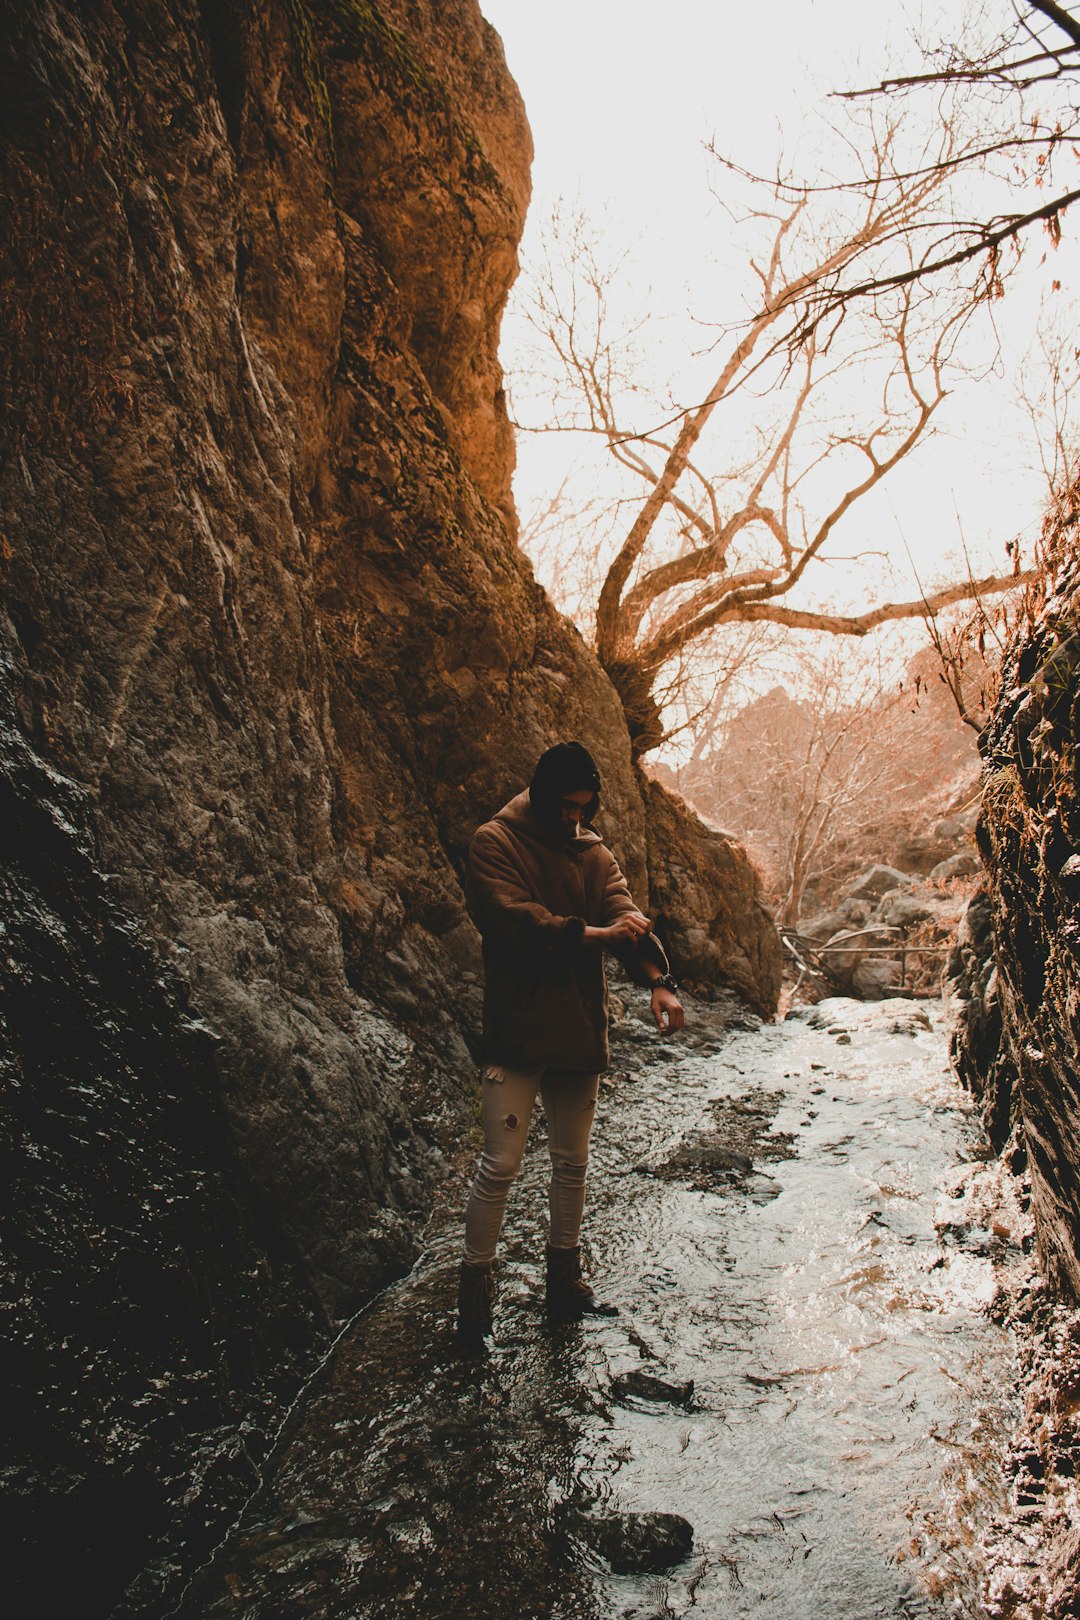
(509, 1096)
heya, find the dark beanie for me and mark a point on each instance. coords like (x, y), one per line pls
(563, 769)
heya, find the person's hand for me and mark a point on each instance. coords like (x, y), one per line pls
(667, 1010)
(627, 929)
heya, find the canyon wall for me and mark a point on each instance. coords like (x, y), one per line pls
(1016, 969)
(268, 653)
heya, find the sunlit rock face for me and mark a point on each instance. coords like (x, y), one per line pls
(271, 653)
(1029, 835)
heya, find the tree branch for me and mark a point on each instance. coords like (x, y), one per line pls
(1058, 14)
(841, 624)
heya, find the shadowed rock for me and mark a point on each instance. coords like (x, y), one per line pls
(646, 1386)
(637, 1543)
(1016, 970)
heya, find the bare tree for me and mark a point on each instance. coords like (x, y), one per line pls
(1036, 54)
(708, 548)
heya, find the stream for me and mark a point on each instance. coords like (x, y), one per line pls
(803, 1235)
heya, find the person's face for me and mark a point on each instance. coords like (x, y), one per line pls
(571, 810)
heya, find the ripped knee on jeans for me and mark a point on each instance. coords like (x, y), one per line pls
(494, 1078)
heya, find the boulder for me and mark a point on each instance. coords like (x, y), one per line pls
(876, 881)
(824, 925)
(922, 850)
(951, 829)
(637, 1543)
(876, 977)
(856, 911)
(849, 962)
(893, 1016)
(638, 1384)
(901, 908)
(965, 863)
(851, 912)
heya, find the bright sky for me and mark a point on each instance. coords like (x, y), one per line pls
(622, 95)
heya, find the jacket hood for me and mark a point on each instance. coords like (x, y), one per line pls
(519, 815)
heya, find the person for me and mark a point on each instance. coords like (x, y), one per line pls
(549, 900)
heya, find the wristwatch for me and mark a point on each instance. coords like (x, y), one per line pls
(664, 982)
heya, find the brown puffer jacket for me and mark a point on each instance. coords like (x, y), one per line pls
(531, 894)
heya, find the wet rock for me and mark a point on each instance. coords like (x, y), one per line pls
(646, 1386)
(618, 1077)
(895, 1016)
(1044, 1458)
(962, 1235)
(741, 1019)
(381, 1500)
(637, 1543)
(723, 1153)
(704, 1154)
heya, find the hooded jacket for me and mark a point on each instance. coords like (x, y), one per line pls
(532, 893)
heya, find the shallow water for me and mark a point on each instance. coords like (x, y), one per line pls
(842, 1449)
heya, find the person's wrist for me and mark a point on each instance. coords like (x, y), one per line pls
(664, 981)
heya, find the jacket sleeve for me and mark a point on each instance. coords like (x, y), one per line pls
(617, 902)
(503, 907)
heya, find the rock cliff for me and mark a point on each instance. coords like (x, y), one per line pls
(1016, 969)
(269, 652)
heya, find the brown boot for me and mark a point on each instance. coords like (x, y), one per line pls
(476, 1295)
(568, 1294)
